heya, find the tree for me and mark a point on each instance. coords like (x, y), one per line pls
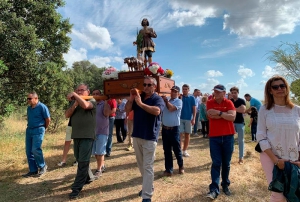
(33, 38)
(86, 72)
(287, 57)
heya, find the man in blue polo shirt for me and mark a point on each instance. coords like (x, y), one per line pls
(38, 118)
(148, 109)
(170, 131)
(253, 102)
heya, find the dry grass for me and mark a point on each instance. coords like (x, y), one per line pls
(122, 180)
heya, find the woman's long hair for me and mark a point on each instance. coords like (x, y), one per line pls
(269, 100)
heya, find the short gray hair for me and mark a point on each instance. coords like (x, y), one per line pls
(152, 79)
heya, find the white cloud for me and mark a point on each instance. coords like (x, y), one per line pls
(268, 72)
(101, 61)
(239, 83)
(75, 55)
(245, 72)
(94, 36)
(213, 73)
(248, 19)
(208, 85)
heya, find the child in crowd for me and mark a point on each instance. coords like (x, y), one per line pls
(253, 123)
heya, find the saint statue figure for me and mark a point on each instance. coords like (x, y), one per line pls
(144, 42)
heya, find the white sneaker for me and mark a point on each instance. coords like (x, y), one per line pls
(196, 135)
(185, 154)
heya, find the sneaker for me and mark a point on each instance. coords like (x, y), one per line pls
(30, 174)
(167, 174)
(226, 191)
(75, 163)
(185, 154)
(103, 168)
(129, 148)
(97, 174)
(241, 161)
(146, 200)
(74, 195)
(107, 155)
(212, 195)
(181, 170)
(43, 170)
(196, 135)
(61, 164)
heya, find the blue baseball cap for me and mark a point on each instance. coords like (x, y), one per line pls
(220, 88)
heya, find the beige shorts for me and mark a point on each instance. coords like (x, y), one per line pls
(68, 133)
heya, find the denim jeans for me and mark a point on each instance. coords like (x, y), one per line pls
(109, 139)
(33, 144)
(196, 122)
(240, 129)
(221, 149)
(171, 139)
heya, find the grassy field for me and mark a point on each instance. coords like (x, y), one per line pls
(122, 180)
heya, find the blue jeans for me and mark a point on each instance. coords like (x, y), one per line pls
(33, 144)
(171, 139)
(196, 122)
(221, 149)
(109, 139)
(240, 129)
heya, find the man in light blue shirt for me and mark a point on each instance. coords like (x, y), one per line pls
(253, 102)
(170, 131)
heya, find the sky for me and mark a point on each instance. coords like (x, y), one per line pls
(204, 43)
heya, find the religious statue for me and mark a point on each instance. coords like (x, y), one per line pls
(144, 42)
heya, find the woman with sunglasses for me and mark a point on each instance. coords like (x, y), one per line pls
(278, 129)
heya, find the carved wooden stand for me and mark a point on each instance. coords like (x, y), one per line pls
(120, 88)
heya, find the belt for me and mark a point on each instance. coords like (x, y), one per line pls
(168, 128)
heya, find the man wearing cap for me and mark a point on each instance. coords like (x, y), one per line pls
(148, 108)
(170, 131)
(187, 118)
(221, 113)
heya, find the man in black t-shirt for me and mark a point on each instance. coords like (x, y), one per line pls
(239, 123)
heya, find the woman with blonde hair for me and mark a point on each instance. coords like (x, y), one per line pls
(278, 129)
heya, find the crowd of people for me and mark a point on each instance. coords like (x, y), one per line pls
(140, 118)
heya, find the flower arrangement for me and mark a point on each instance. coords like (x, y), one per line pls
(169, 73)
(110, 73)
(154, 69)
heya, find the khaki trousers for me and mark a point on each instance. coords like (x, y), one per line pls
(145, 155)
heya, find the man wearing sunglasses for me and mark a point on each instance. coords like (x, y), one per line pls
(83, 120)
(38, 119)
(148, 109)
(253, 102)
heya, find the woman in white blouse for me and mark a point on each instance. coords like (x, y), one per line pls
(278, 129)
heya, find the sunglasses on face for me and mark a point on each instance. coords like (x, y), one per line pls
(147, 84)
(29, 98)
(276, 87)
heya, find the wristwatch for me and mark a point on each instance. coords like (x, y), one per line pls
(220, 114)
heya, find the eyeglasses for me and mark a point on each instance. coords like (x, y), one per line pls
(29, 98)
(147, 84)
(276, 87)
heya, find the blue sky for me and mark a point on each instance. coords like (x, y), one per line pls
(204, 42)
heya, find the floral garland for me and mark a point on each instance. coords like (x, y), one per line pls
(154, 69)
(110, 73)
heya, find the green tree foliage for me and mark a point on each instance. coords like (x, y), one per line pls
(33, 38)
(86, 72)
(287, 57)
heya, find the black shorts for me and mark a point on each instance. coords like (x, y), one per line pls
(148, 53)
